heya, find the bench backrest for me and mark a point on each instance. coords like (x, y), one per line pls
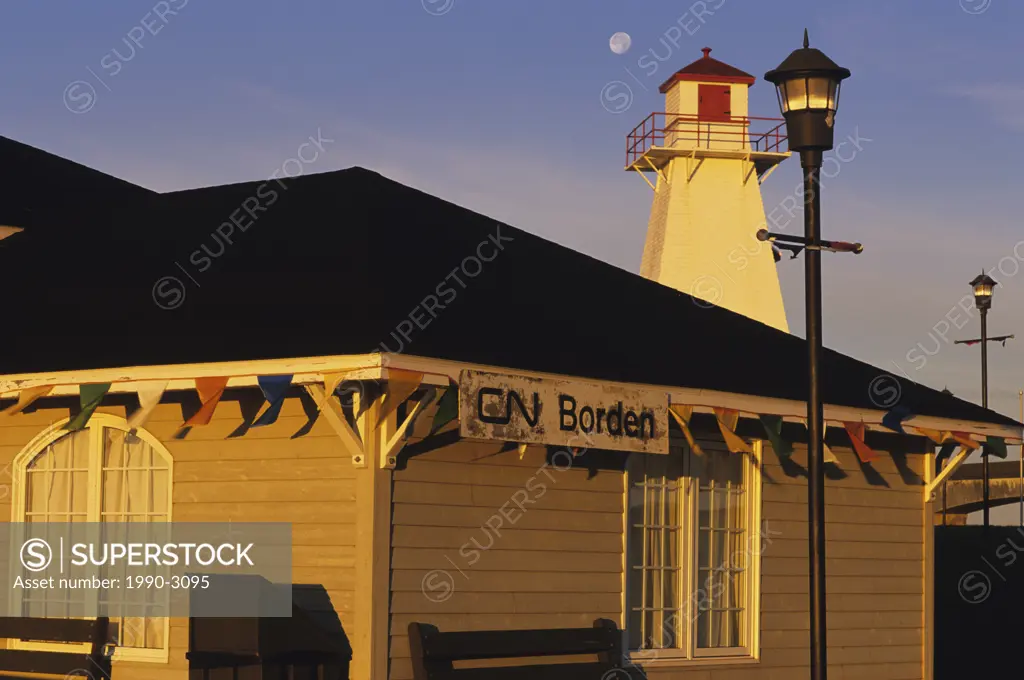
(434, 652)
(66, 664)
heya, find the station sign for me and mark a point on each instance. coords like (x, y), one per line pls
(560, 412)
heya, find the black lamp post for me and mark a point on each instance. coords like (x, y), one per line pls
(808, 83)
(983, 285)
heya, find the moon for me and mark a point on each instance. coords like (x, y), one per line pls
(620, 43)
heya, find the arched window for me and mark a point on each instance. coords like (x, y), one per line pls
(103, 473)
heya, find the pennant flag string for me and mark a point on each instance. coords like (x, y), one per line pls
(89, 396)
(773, 428)
(863, 451)
(727, 421)
(25, 399)
(682, 415)
(210, 391)
(149, 397)
(274, 388)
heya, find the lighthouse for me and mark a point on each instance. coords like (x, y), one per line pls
(705, 159)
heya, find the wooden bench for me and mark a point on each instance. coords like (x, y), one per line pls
(92, 664)
(433, 653)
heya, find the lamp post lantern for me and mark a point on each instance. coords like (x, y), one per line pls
(983, 285)
(807, 83)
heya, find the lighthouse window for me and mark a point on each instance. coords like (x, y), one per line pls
(692, 553)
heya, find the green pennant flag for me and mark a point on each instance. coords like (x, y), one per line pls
(773, 428)
(447, 408)
(994, 446)
(90, 397)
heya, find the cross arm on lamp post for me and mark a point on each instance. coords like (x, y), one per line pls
(975, 341)
(797, 243)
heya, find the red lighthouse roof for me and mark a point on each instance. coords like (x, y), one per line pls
(709, 70)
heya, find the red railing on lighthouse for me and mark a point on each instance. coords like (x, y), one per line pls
(680, 130)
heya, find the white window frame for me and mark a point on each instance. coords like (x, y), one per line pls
(688, 653)
(97, 423)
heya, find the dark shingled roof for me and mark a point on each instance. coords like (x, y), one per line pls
(336, 261)
(709, 69)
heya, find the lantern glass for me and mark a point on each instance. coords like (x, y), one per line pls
(795, 94)
(983, 290)
(821, 93)
(801, 94)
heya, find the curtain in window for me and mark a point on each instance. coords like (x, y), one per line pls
(133, 486)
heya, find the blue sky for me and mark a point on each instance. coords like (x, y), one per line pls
(497, 106)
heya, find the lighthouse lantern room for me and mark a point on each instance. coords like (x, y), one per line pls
(705, 158)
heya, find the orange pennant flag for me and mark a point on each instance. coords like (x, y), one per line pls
(25, 399)
(401, 385)
(727, 420)
(856, 432)
(682, 414)
(210, 391)
(6, 231)
(964, 440)
(937, 436)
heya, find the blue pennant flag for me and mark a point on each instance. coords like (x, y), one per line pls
(274, 388)
(895, 417)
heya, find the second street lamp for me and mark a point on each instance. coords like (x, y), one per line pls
(983, 285)
(808, 83)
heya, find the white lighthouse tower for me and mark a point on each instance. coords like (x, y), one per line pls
(707, 159)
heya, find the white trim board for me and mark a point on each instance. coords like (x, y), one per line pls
(311, 370)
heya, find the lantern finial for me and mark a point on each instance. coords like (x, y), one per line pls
(807, 42)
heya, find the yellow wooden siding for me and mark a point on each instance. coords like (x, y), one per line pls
(261, 475)
(557, 562)
(560, 564)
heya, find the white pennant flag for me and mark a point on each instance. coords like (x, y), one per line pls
(149, 396)
(825, 450)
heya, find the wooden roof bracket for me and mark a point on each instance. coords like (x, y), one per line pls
(395, 440)
(394, 435)
(947, 472)
(335, 416)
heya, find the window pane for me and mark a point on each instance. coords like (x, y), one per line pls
(655, 552)
(722, 557)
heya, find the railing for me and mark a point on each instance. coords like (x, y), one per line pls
(678, 130)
